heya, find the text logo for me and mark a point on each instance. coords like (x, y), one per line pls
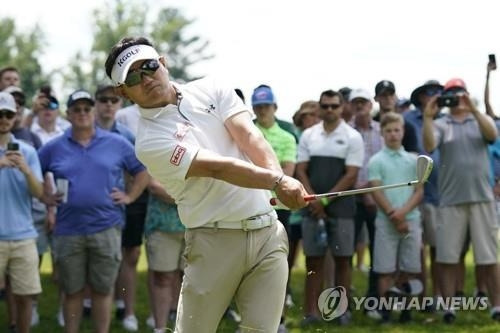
(126, 56)
(177, 155)
(332, 303)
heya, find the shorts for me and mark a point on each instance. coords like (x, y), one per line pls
(19, 260)
(340, 236)
(451, 230)
(88, 259)
(429, 213)
(393, 250)
(135, 218)
(164, 251)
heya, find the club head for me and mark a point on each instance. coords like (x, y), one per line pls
(424, 168)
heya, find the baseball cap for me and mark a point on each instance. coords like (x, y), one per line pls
(79, 95)
(127, 58)
(345, 91)
(14, 90)
(104, 87)
(455, 83)
(359, 93)
(7, 102)
(263, 95)
(384, 86)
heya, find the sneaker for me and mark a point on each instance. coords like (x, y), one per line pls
(232, 315)
(449, 317)
(87, 307)
(150, 322)
(35, 317)
(309, 320)
(282, 329)
(345, 319)
(289, 301)
(120, 309)
(495, 313)
(60, 317)
(130, 323)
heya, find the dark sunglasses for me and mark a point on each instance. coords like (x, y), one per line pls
(85, 109)
(7, 114)
(148, 67)
(329, 106)
(105, 99)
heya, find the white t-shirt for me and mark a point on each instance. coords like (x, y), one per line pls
(169, 138)
(129, 117)
(47, 136)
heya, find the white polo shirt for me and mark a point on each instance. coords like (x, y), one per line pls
(169, 138)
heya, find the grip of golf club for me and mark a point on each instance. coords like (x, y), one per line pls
(310, 197)
(277, 203)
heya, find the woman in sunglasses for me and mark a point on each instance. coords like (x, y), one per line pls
(199, 142)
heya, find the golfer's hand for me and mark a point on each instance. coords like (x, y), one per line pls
(291, 193)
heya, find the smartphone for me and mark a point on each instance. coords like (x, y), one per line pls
(448, 101)
(13, 146)
(493, 61)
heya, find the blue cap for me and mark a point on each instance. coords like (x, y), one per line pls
(263, 95)
(79, 95)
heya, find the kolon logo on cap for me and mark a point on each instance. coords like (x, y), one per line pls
(177, 155)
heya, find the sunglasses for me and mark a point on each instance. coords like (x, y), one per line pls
(329, 106)
(85, 109)
(149, 67)
(7, 114)
(106, 99)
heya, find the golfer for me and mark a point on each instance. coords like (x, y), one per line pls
(199, 142)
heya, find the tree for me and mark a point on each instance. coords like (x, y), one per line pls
(23, 50)
(130, 18)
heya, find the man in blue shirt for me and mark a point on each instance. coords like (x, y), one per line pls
(87, 233)
(20, 180)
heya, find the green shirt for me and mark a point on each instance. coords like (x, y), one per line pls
(393, 167)
(282, 142)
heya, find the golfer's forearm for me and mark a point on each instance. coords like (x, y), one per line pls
(428, 135)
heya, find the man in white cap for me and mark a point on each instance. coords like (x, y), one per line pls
(20, 181)
(199, 142)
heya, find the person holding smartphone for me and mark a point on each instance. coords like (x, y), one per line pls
(20, 181)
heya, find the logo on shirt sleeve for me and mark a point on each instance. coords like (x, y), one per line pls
(177, 155)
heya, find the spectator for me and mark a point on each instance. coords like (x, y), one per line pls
(9, 76)
(306, 116)
(466, 196)
(329, 157)
(87, 228)
(347, 112)
(45, 124)
(385, 95)
(420, 98)
(282, 143)
(403, 105)
(366, 209)
(164, 245)
(20, 180)
(398, 233)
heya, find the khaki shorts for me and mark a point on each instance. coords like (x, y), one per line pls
(19, 260)
(164, 251)
(429, 214)
(340, 236)
(221, 263)
(393, 250)
(451, 230)
(88, 259)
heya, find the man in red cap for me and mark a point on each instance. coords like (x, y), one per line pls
(466, 197)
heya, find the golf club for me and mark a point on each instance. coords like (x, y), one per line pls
(424, 168)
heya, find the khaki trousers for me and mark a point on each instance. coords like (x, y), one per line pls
(250, 266)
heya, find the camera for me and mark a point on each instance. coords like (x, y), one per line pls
(448, 101)
(13, 146)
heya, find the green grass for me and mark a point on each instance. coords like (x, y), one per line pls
(472, 321)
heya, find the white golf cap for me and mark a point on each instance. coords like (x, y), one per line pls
(127, 58)
(7, 102)
(360, 93)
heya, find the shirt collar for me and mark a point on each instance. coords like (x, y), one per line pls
(99, 133)
(393, 152)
